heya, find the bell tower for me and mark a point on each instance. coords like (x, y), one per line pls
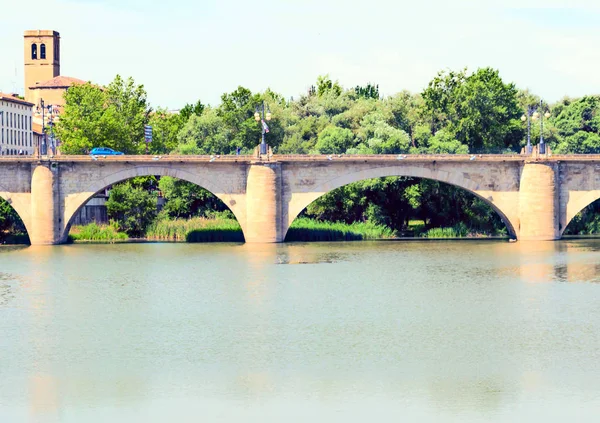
(42, 58)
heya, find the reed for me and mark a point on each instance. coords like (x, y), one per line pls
(197, 229)
(97, 233)
(456, 231)
(305, 229)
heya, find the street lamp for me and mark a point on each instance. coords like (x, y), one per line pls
(1, 125)
(51, 111)
(533, 114)
(261, 114)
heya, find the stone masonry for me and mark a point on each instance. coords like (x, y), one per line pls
(536, 198)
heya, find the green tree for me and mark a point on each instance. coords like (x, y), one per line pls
(165, 129)
(578, 125)
(185, 199)
(334, 140)
(113, 117)
(444, 143)
(132, 207)
(191, 109)
(368, 91)
(206, 134)
(81, 124)
(326, 86)
(10, 222)
(479, 110)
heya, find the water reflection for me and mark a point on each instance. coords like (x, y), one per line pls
(415, 330)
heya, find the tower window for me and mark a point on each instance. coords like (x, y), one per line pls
(34, 51)
(42, 51)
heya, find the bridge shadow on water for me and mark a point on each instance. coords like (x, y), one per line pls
(320, 235)
(215, 235)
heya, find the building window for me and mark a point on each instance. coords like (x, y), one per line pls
(34, 51)
(42, 51)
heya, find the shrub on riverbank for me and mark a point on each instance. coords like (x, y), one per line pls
(459, 231)
(305, 229)
(198, 229)
(451, 232)
(94, 232)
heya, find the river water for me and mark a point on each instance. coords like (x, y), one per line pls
(454, 331)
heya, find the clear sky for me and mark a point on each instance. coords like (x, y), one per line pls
(185, 50)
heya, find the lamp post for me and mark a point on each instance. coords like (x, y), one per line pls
(533, 114)
(42, 150)
(546, 115)
(1, 125)
(261, 114)
(52, 112)
(42, 108)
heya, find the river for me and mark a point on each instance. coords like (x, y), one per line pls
(415, 331)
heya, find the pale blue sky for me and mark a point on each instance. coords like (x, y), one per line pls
(187, 50)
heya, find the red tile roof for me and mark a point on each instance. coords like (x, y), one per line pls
(11, 97)
(58, 82)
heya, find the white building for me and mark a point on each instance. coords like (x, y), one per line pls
(16, 134)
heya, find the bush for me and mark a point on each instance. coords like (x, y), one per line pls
(304, 229)
(95, 232)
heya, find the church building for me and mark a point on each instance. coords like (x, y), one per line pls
(45, 87)
(43, 80)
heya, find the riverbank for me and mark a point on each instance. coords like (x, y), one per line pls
(303, 229)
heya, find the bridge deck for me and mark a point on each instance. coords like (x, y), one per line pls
(304, 158)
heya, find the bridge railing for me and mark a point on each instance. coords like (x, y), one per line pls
(301, 158)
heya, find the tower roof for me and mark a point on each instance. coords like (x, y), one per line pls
(58, 82)
(40, 33)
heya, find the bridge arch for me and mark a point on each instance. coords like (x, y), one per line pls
(21, 203)
(300, 202)
(74, 202)
(576, 204)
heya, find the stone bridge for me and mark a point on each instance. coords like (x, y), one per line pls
(535, 196)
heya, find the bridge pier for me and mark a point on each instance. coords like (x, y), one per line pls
(45, 219)
(263, 203)
(538, 203)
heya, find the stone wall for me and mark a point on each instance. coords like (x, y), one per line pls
(536, 199)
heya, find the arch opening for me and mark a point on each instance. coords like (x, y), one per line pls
(42, 51)
(586, 221)
(12, 227)
(398, 206)
(34, 51)
(155, 207)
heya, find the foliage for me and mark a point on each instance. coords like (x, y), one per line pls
(113, 117)
(479, 110)
(165, 129)
(219, 228)
(304, 229)
(12, 229)
(132, 208)
(189, 110)
(185, 199)
(326, 86)
(578, 125)
(586, 222)
(369, 91)
(334, 140)
(457, 231)
(205, 134)
(99, 233)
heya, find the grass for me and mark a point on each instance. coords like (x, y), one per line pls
(198, 229)
(460, 231)
(304, 229)
(451, 232)
(97, 233)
